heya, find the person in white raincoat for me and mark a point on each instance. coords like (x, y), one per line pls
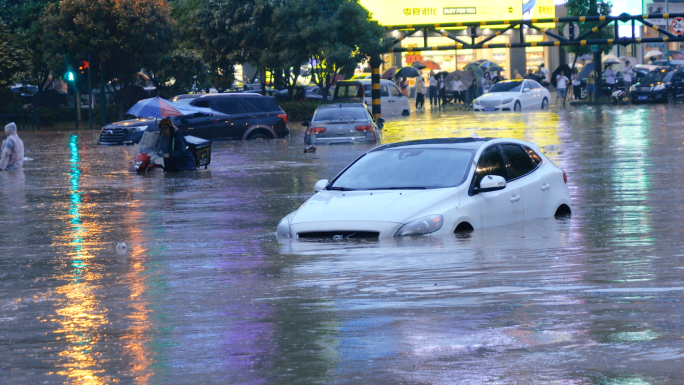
(12, 150)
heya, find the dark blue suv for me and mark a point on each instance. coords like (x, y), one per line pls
(238, 116)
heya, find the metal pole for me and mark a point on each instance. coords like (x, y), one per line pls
(103, 96)
(375, 85)
(90, 97)
(76, 101)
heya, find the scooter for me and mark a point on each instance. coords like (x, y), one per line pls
(147, 159)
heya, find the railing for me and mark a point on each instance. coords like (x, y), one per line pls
(24, 122)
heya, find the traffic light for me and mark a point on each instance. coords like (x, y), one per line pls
(69, 76)
(83, 67)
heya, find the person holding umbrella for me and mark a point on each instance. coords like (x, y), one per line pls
(576, 85)
(459, 89)
(561, 86)
(177, 157)
(610, 77)
(420, 93)
(627, 73)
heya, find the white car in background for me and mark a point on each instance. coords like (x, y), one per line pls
(514, 95)
(433, 186)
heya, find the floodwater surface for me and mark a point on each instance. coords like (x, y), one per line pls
(111, 277)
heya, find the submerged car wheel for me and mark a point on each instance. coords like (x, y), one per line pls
(517, 107)
(671, 97)
(259, 135)
(545, 104)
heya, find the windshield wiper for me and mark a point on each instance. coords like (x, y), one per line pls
(340, 188)
(399, 188)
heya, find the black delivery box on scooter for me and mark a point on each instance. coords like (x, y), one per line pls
(200, 149)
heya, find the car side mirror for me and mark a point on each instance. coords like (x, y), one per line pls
(320, 185)
(491, 183)
(306, 123)
(380, 122)
(526, 90)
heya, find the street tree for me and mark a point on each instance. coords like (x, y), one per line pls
(181, 71)
(121, 36)
(13, 59)
(589, 8)
(340, 36)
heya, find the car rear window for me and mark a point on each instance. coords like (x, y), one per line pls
(349, 91)
(344, 113)
(518, 159)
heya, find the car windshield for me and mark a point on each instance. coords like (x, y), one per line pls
(506, 87)
(654, 76)
(406, 168)
(353, 113)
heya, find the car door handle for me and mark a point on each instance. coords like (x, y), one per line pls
(515, 198)
(545, 187)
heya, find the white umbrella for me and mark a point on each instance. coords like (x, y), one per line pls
(632, 60)
(610, 58)
(586, 57)
(652, 53)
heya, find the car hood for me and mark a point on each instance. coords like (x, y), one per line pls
(133, 122)
(498, 96)
(398, 206)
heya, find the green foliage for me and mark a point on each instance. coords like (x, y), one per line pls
(123, 35)
(302, 109)
(10, 103)
(13, 59)
(180, 72)
(589, 8)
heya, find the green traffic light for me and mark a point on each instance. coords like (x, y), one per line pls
(70, 76)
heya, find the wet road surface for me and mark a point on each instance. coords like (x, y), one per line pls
(203, 292)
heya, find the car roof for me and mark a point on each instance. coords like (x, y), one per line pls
(233, 95)
(187, 96)
(340, 105)
(471, 143)
(364, 81)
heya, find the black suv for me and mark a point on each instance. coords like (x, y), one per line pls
(239, 116)
(664, 84)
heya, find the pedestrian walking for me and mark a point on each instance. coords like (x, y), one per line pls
(591, 87)
(441, 84)
(404, 87)
(610, 78)
(12, 150)
(433, 89)
(517, 75)
(561, 86)
(576, 85)
(459, 89)
(546, 75)
(420, 93)
(627, 72)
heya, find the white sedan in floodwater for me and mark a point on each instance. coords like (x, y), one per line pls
(514, 95)
(433, 186)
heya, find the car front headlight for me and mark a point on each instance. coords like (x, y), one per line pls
(659, 87)
(421, 226)
(283, 230)
(632, 88)
(128, 130)
(509, 100)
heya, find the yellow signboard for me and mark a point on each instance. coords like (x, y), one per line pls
(400, 12)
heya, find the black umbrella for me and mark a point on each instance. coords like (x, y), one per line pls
(418, 65)
(442, 73)
(407, 72)
(495, 69)
(564, 69)
(589, 68)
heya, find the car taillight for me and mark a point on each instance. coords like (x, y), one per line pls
(315, 130)
(367, 128)
(283, 117)
(565, 177)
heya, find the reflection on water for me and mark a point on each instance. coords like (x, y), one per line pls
(205, 294)
(81, 317)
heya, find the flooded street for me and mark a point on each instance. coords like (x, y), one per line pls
(202, 292)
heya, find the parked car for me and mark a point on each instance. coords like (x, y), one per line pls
(342, 124)
(235, 116)
(303, 93)
(392, 101)
(663, 84)
(26, 92)
(514, 95)
(432, 186)
(638, 73)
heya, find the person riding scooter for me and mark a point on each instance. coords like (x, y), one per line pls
(177, 157)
